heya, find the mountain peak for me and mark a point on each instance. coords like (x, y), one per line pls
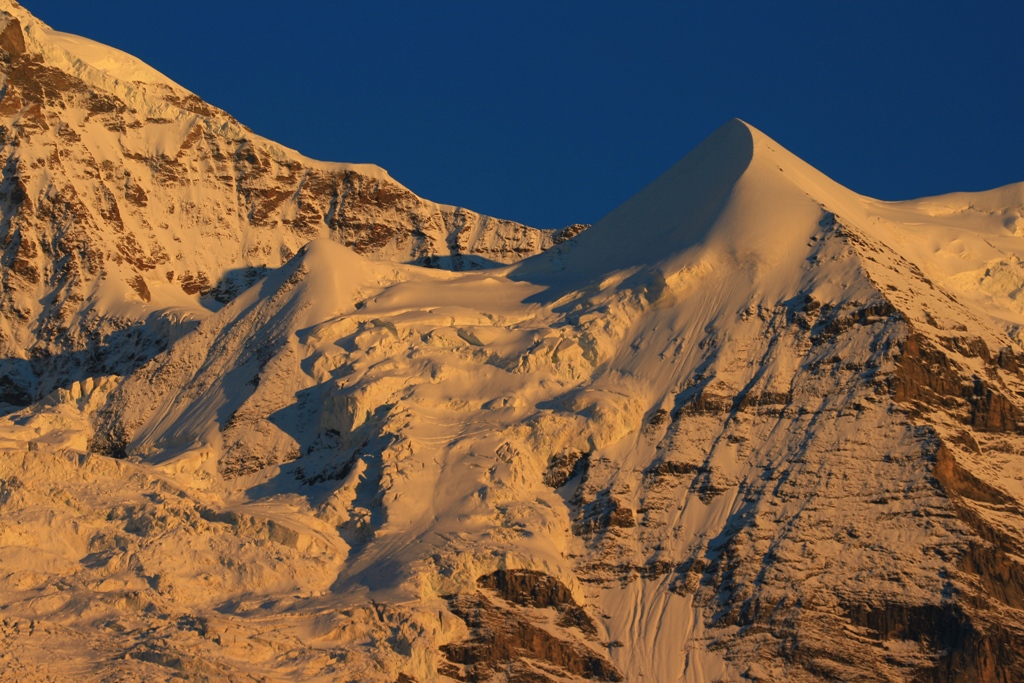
(738, 191)
(96, 64)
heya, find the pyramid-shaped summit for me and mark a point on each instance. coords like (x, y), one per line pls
(738, 189)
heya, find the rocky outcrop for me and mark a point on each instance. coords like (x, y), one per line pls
(529, 588)
(927, 377)
(505, 642)
(564, 466)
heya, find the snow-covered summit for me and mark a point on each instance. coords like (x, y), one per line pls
(741, 203)
(738, 192)
(127, 199)
(98, 65)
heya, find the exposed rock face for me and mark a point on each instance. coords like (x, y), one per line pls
(928, 377)
(530, 588)
(564, 466)
(506, 641)
(139, 190)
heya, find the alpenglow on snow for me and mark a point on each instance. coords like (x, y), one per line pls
(271, 418)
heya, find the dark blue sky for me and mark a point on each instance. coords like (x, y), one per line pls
(555, 112)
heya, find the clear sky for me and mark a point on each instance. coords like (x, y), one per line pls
(555, 112)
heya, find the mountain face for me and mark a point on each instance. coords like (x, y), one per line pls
(127, 200)
(751, 426)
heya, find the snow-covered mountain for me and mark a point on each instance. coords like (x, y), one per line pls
(751, 426)
(126, 198)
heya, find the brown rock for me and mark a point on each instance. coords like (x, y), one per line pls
(12, 40)
(503, 641)
(530, 588)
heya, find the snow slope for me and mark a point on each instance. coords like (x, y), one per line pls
(749, 426)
